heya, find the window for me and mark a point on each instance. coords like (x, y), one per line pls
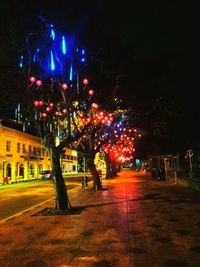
(40, 168)
(34, 150)
(18, 147)
(64, 156)
(8, 170)
(8, 146)
(21, 170)
(24, 148)
(39, 151)
(29, 149)
(32, 170)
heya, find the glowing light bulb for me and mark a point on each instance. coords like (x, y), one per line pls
(91, 92)
(64, 86)
(39, 82)
(85, 81)
(32, 79)
(41, 103)
(36, 103)
(44, 115)
(94, 105)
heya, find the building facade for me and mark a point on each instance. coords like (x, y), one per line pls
(22, 157)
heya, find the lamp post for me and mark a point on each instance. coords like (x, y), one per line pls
(84, 166)
(189, 155)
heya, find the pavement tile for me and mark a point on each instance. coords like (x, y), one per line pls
(135, 222)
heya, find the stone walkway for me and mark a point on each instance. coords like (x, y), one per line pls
(136, 222)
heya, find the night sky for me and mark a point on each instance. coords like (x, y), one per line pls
(147, 52)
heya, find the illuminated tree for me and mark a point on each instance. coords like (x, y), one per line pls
(120, 149)
(56, 99)
(106, 134)
(99, 132)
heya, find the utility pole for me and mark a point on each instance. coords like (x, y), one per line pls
(84, 165)
(189, 155)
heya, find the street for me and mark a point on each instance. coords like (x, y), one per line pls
(15, 198)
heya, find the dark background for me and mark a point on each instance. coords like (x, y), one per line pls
(145, 52)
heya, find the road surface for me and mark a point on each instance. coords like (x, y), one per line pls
(15, 198)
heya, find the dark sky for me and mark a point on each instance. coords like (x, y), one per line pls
(153, 44)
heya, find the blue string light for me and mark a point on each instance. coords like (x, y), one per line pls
(53, 35)
(52, 64)
(21, 61)
(64, 46)
(71, 73)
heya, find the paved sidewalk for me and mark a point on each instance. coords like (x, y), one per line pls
(136, 222)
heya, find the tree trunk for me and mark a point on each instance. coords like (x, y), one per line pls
(97, 185)
(114, 170)
(62, 200)
(108, 167)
